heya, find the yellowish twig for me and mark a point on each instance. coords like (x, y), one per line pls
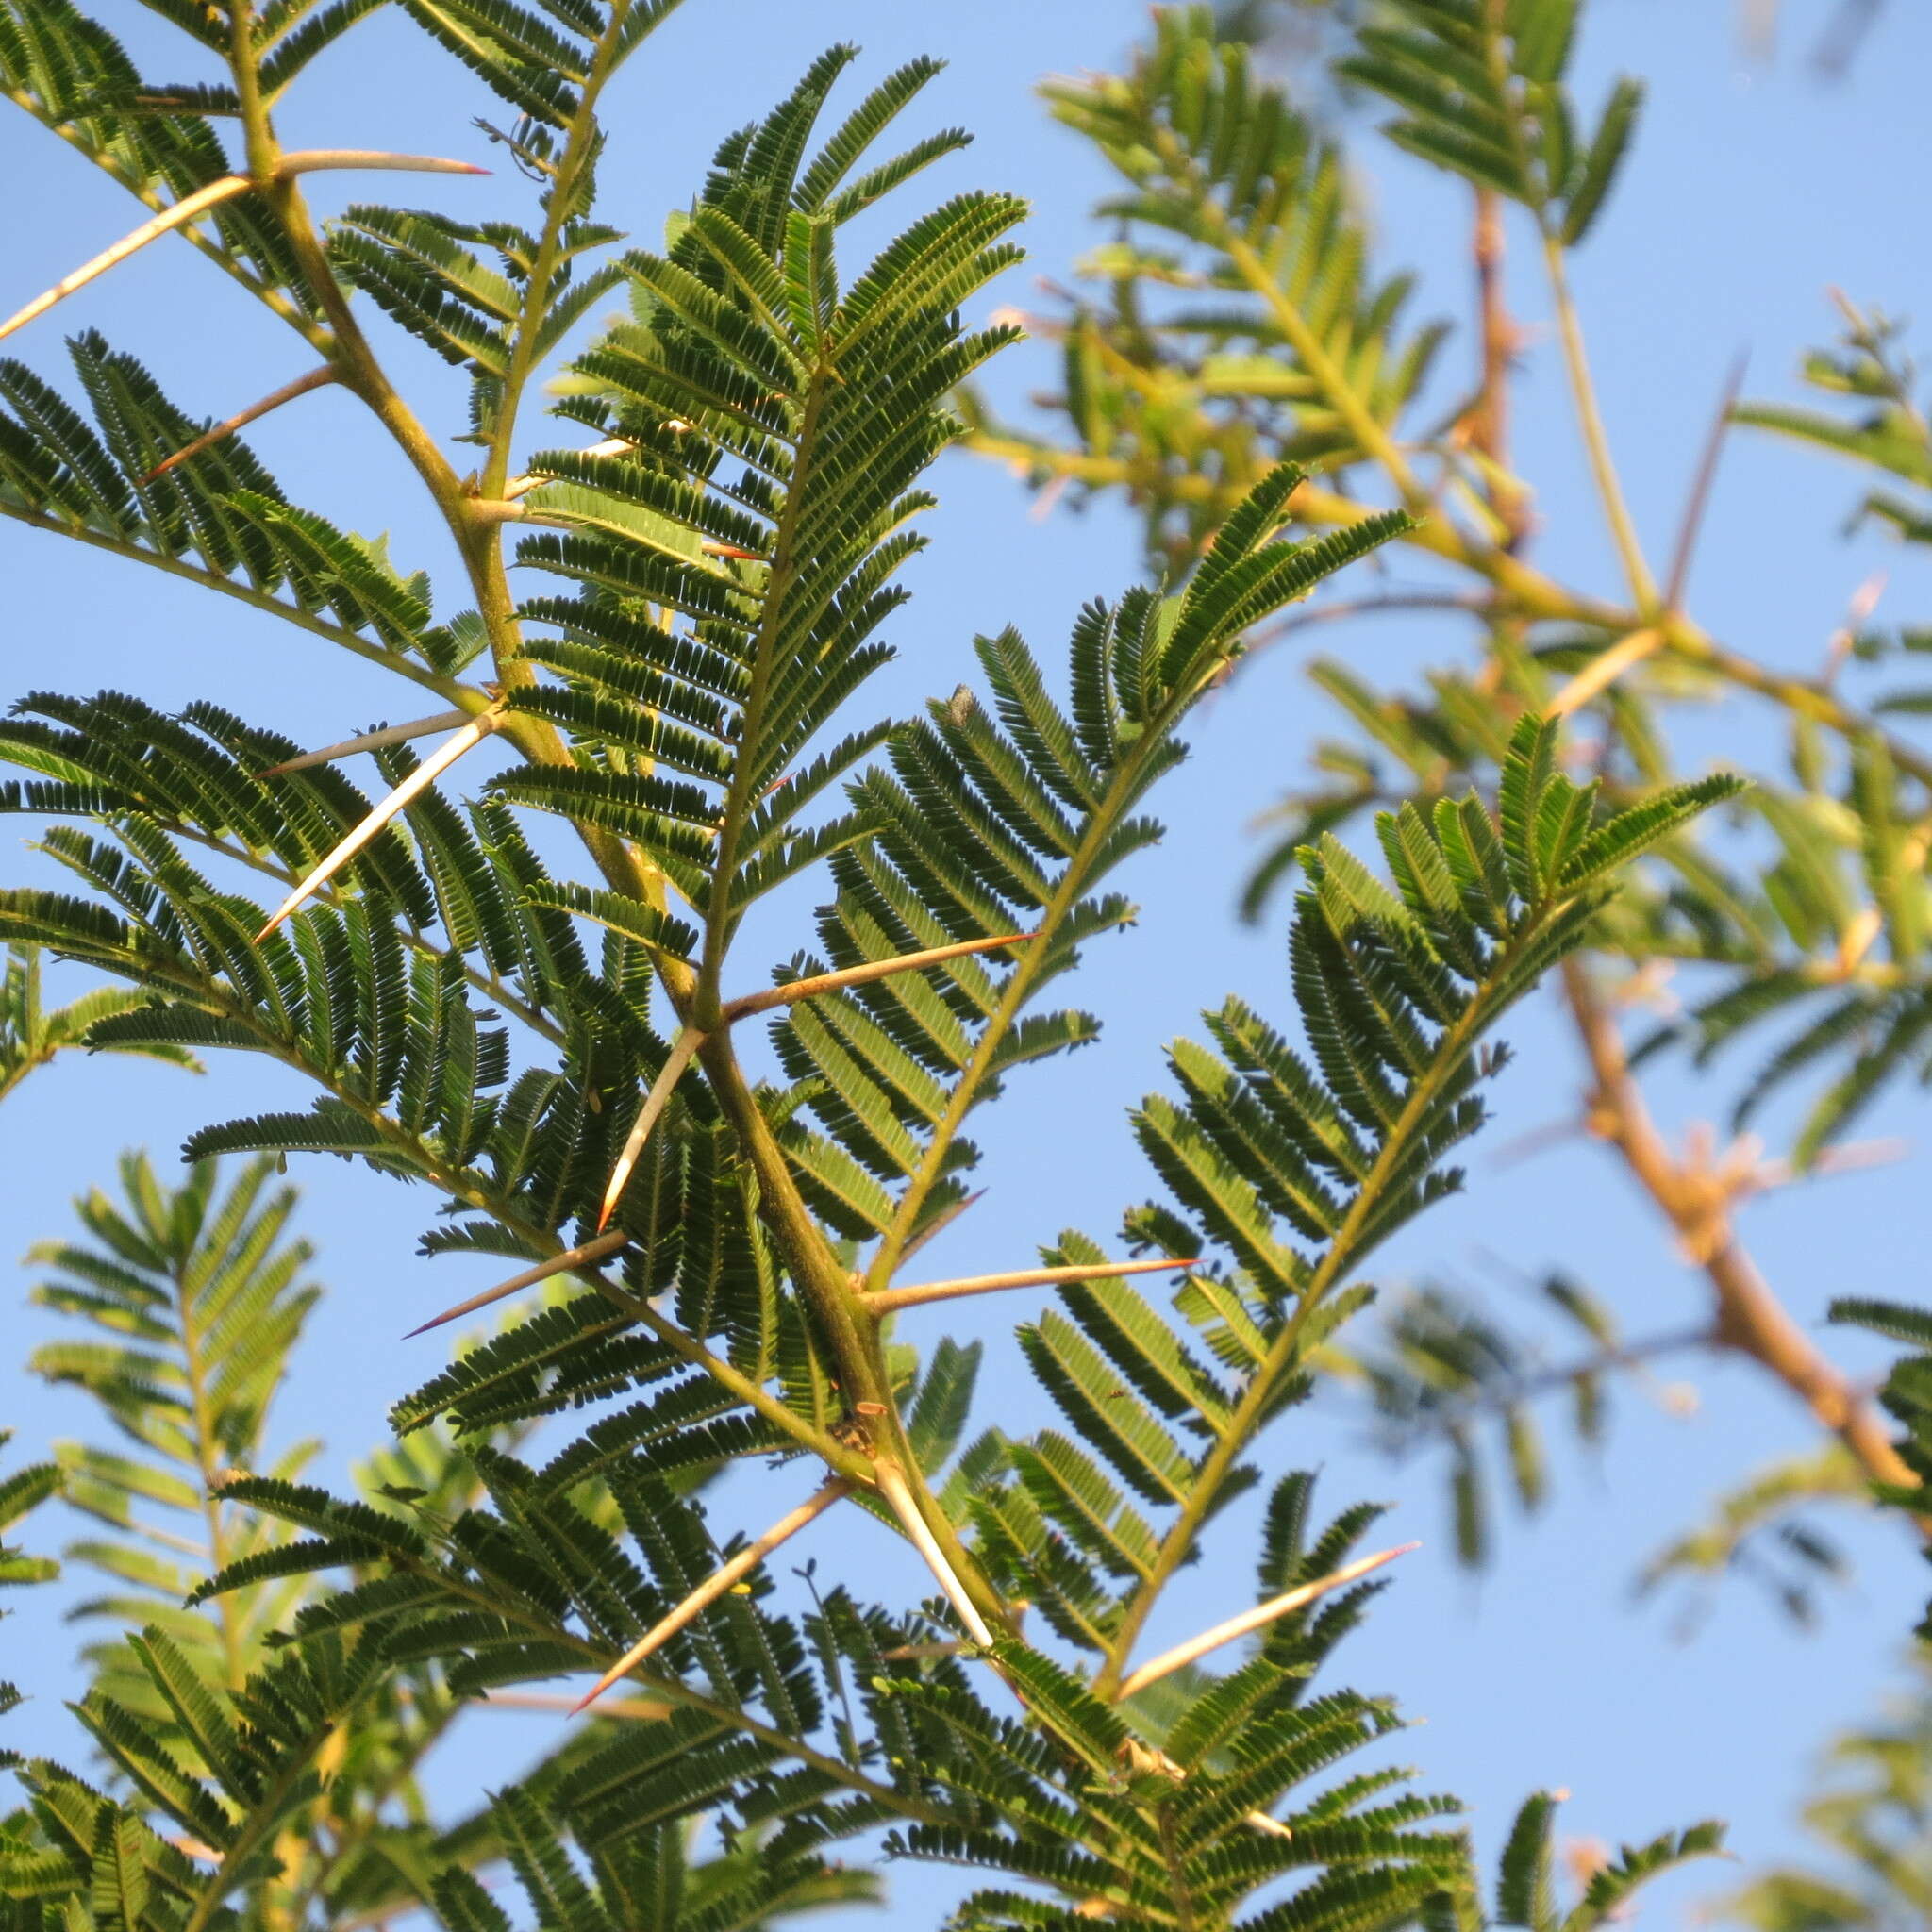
(1596, 443)
(693, 1038)
(860, 976)
(315, 160)
(521, 485)
(211, 195)
(649, 1710)
(188, 209)
(1604, 670)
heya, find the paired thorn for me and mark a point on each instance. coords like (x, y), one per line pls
(368, 741)
(1603, 671)
(893, 1489)
(1252, 1620)
(692, 1037)
(889, 1301)
(721, 1580)
(316, 378)
(211, 195)
(679, 1058)
(419, 781)
(588, 1255)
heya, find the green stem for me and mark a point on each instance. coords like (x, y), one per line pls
(1032, 958)
(578, 152)
(202, 1425)
(1308, 344)
(1342, 397)
(740, 797)
(1530, 594)
(1264, 1385)
(261, 1819)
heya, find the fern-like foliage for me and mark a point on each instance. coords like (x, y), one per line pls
(1262, 1151)
(1443, 1372)
(22, 1491)
(190, 1301)
(694, 592)
(647, 1881)
(1527, 1890)
(1241, 273)
(1481, 93)
(31, 1033)
(1866, 1824)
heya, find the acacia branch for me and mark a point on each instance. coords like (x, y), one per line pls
(1392, 1162)
(1749, 1318)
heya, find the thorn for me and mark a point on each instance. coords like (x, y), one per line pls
(649, 1710)
(584, 1257)
(1253, 1619)
(521, 485)
(316, 378)
(892, 1488)
(1863, 602)
(861, 975)
(1699, 499)
(1149, 1759)
(419, 781)
(185, 210)
(321, 159)
(369, 741)
(1604, 670)
(719, 1583)
(889, 1300)
(1827, 1160)
(679, 1058)
(1858, 939)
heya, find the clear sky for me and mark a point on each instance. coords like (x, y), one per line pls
(1749, 193)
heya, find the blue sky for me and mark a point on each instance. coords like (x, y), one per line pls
(1750, 190)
